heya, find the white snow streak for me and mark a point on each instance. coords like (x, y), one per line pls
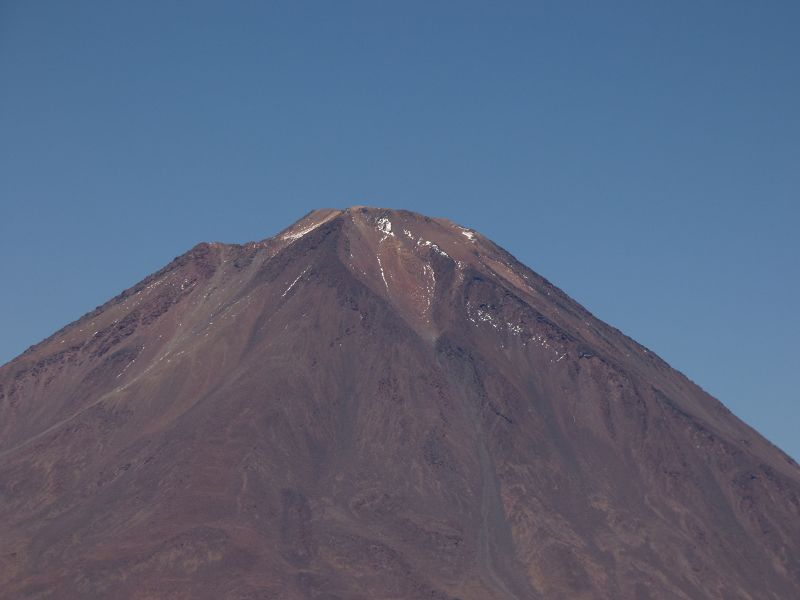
(431, 286)
(291, 285)
(380, 266)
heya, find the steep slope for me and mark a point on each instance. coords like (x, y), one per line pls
(375, 404)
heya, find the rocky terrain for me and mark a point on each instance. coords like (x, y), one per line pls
(374, 404)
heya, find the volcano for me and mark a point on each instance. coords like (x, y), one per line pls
(374, 404)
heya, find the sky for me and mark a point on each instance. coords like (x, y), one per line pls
(644, 156)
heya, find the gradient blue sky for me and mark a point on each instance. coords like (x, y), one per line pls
(644, 156)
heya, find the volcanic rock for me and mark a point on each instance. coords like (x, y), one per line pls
(375, 404)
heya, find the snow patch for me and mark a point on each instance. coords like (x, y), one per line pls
(468, 233)
(428, 243)
(515, 329)
(385, 227)
(486, 317)
(480, 316)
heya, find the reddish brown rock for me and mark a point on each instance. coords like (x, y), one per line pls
(375, 404)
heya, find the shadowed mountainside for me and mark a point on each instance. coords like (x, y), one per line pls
(375, 404)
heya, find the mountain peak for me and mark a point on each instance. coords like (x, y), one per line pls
(399, 254)
(387, 221)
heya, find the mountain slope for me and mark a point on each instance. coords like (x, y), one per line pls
(375, 404)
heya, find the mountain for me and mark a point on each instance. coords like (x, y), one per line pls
(375, 404)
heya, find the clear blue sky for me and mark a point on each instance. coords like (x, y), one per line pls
(644, 156)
